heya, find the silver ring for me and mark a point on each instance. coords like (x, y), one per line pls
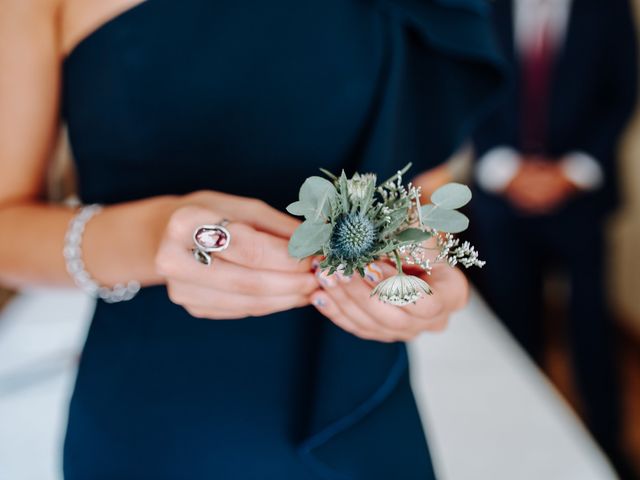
(208, 239)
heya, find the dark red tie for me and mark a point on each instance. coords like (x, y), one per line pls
(537, 63)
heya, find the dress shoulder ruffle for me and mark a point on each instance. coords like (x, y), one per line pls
(441, 72)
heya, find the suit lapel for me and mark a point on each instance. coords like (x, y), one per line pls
(564, 65)
(503, 14)
(504, 27)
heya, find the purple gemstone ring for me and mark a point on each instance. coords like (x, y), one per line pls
(209, 239)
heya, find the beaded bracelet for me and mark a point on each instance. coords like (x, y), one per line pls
(76, 267)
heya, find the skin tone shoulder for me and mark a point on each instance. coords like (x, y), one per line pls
(149, 240)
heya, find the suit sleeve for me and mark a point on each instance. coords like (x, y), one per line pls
(619, 72)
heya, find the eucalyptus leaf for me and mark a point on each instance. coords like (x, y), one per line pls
(315, 195)
(450, 221)
(398, 217)
(413, 235)
(300, 209)
(451, 196)
(309, 239)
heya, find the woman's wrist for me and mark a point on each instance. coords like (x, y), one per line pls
(120, 243)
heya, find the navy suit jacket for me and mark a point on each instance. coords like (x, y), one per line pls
(592, 95)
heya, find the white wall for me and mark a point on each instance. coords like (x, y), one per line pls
(625, 228)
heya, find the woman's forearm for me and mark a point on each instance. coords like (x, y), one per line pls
(118, 245)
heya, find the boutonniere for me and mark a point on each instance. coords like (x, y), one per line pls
(354, 221)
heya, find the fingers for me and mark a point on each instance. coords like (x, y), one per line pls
(268, 219)
(260, 250)
(392, 319)
(427, 307)
(177, 263)
(248, 246)
(350, 306)
(253, 277)
(203, 302)
(232, 278)
(538, 188)
(251, 211)
(366, 317)
(355, 310)
(450, 286)
(326, 305)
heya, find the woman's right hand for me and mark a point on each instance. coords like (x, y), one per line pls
(254, 276)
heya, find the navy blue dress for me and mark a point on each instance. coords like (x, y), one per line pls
(249, 98)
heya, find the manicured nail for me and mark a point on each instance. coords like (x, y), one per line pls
(342, 278)
(320, 302)
(326, 280)
(315, 263)
(373, 273)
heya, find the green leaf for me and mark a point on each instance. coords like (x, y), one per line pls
(451, 196)
(398, 217)
(315, 195)
(367, 200)
(413, 235)
(299, 208)
(309, 238)
(450, 221)
(343, 184)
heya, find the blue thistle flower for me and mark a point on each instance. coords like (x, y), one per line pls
(354, 235)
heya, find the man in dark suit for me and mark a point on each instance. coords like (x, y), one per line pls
(546, 177)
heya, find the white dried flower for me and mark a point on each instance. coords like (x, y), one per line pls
(358, 185)
(401, 289)
(465, 254)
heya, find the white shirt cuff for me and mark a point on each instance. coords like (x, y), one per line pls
(582, 170)
(496, 168)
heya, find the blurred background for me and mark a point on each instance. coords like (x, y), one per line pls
(504, 394)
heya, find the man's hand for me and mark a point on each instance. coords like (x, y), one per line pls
(539, 187)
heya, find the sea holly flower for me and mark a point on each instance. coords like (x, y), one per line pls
(352, 222)
(354, 235)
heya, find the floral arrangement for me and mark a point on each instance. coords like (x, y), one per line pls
(354, 221)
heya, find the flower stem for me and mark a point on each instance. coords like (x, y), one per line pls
(418, 208)
(399, 173)
(398, 260)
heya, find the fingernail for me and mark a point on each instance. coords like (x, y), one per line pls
(373, 273)
(341, 275)
(344, 278)
(326, 280)
(315, 263)
(387, 269)
(320, 302)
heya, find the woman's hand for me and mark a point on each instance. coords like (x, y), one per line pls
(255, 276)
(347, 302)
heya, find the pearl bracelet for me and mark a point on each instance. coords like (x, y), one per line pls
(76, 268)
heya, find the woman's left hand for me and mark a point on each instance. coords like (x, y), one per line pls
(347, 302)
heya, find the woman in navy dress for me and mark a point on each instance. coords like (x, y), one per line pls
(184, 113)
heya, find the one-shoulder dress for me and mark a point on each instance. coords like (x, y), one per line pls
(250, 97)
